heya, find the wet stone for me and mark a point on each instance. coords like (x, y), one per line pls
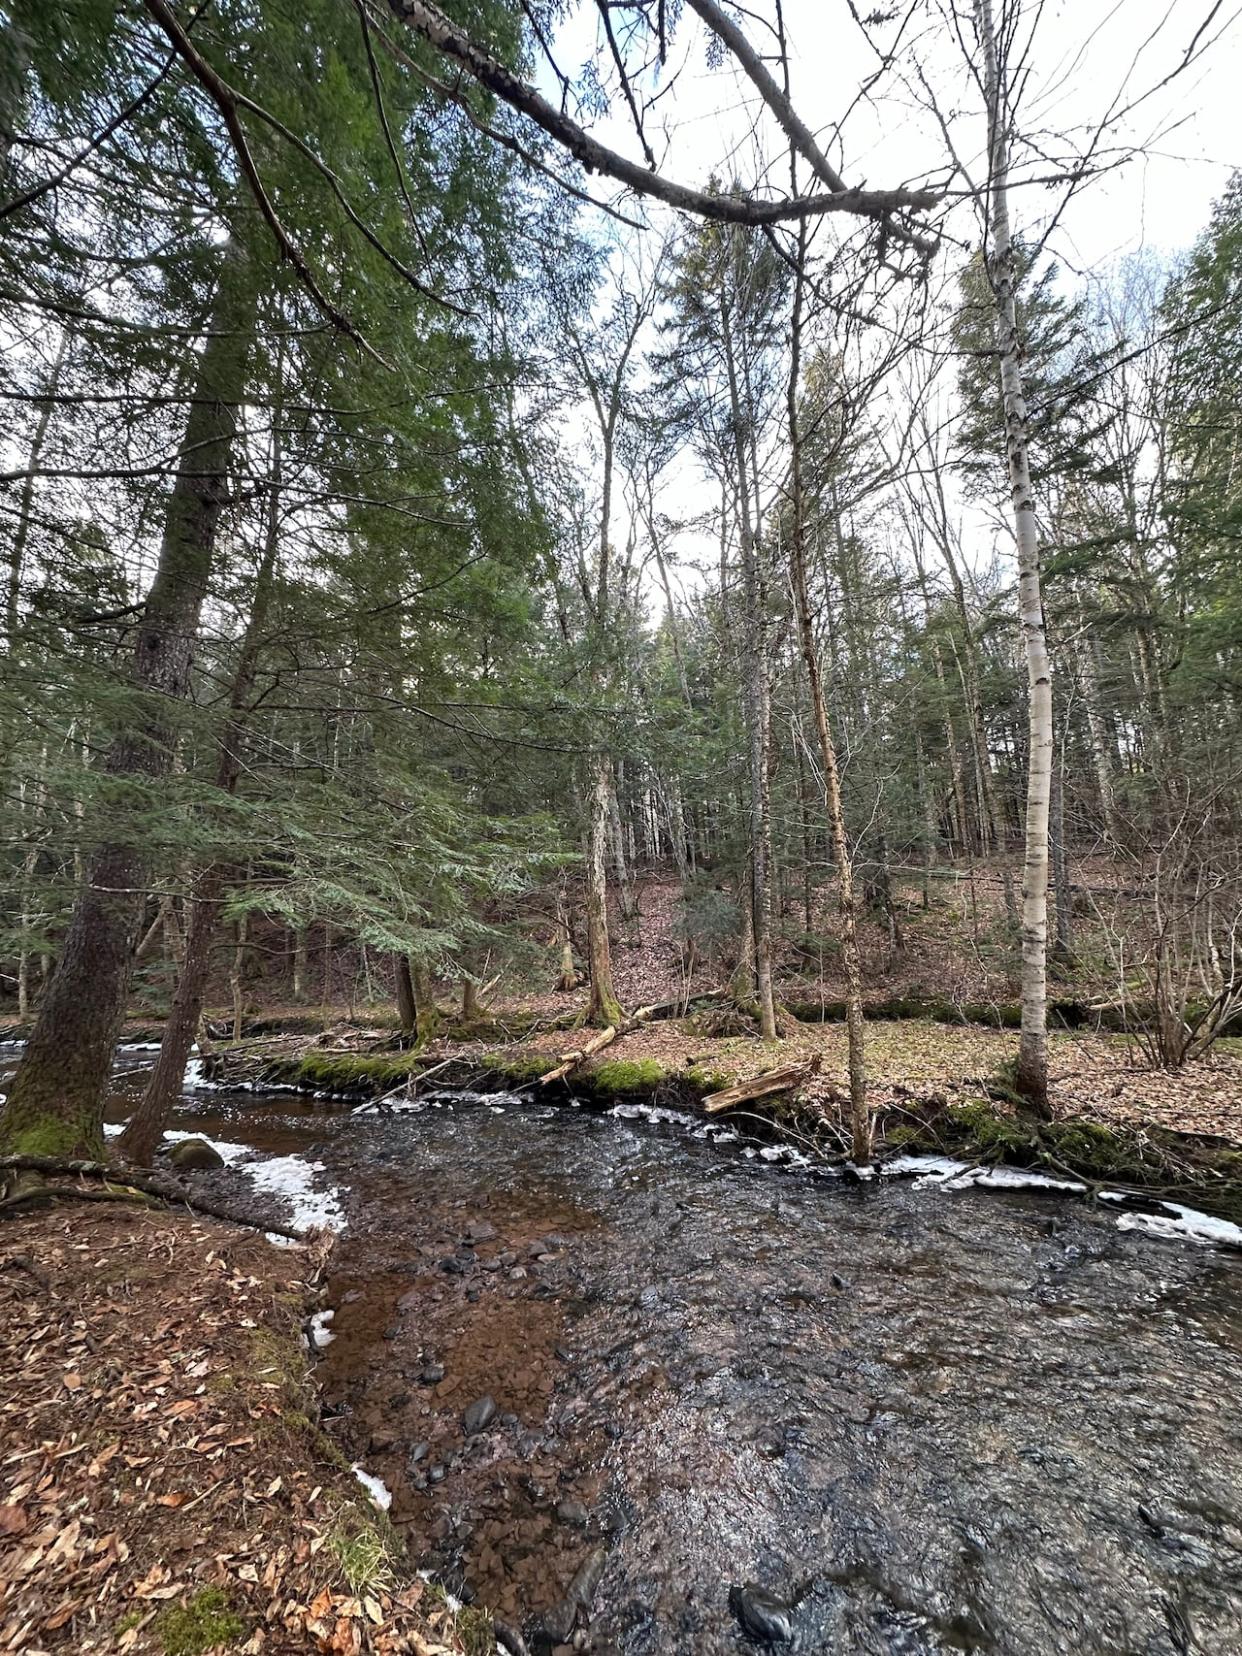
(479, 1415)
(573, 1513)
(195, 1155)
(432, 1374)
(761, 1615)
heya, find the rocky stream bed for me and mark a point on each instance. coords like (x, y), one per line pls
(607, 1370)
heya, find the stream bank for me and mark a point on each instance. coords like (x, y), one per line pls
(164, 1484)
(1105, 1139)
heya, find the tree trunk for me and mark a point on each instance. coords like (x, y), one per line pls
(139, 1141)
(1064, 948)
(860, 1115)
(25, 507)
(627, 897)
(758, 694)
(407, 1009)
(427, 1013)
(603, 1008)
(193, 949)
(56, 1103)
(301, 960)
(1032, 1069)
(1098, 736)
(237, 975)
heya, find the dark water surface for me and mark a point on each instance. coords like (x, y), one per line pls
(939, 1422)
(1008, 1427)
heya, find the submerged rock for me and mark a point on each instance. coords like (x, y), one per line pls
(479, 1415)
(761, 1615)
(195, 1155)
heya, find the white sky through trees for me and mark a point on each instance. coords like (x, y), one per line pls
(1165, 152)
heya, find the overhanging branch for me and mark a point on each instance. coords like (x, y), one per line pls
(431, 24)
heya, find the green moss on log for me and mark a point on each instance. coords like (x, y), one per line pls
(623, 1077)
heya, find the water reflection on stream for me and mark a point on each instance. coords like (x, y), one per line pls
(1008, 1426)
(966, 1422)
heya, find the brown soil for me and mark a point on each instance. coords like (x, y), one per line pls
(155, 1446)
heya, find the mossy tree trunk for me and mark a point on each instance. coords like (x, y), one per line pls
(146, 1125)
(56, 1102)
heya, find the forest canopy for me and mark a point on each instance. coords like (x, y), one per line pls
(438, 499)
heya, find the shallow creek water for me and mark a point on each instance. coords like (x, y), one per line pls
(931, 1421)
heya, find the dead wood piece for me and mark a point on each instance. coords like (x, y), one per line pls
(784, 1079)
(571, 1060)
(675, 1006)
(124, 1185)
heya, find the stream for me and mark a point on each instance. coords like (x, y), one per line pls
(577, 1346)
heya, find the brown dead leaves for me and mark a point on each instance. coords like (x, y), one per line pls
(147, 1451)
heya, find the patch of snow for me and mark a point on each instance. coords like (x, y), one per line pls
(454, 1604)
(949, 1174)
(139, 1046)
(785, 1154)
(293, 1177)
(375, 1487)
(1020, 1178)
(900, 1167)
(230, 1152)
(321, 1336)
(653, 1113)
(1178, 1223)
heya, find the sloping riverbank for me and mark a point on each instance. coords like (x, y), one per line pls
(165, 1485)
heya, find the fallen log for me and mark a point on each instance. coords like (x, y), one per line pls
(571, 1060)
(120, 1183)
(784, 1079)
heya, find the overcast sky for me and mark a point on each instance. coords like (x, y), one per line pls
(1085, 58)
(1083, 61)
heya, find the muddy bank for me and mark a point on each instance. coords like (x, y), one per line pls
(992, 1422)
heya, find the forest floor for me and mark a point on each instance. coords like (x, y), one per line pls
(165, 1487)
(1092, 1077)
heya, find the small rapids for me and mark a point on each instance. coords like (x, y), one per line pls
(924, 1416)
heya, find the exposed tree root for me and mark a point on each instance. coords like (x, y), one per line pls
(122, 1186)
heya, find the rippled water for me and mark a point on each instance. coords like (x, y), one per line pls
(1008, 1426)
(932, 1421)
